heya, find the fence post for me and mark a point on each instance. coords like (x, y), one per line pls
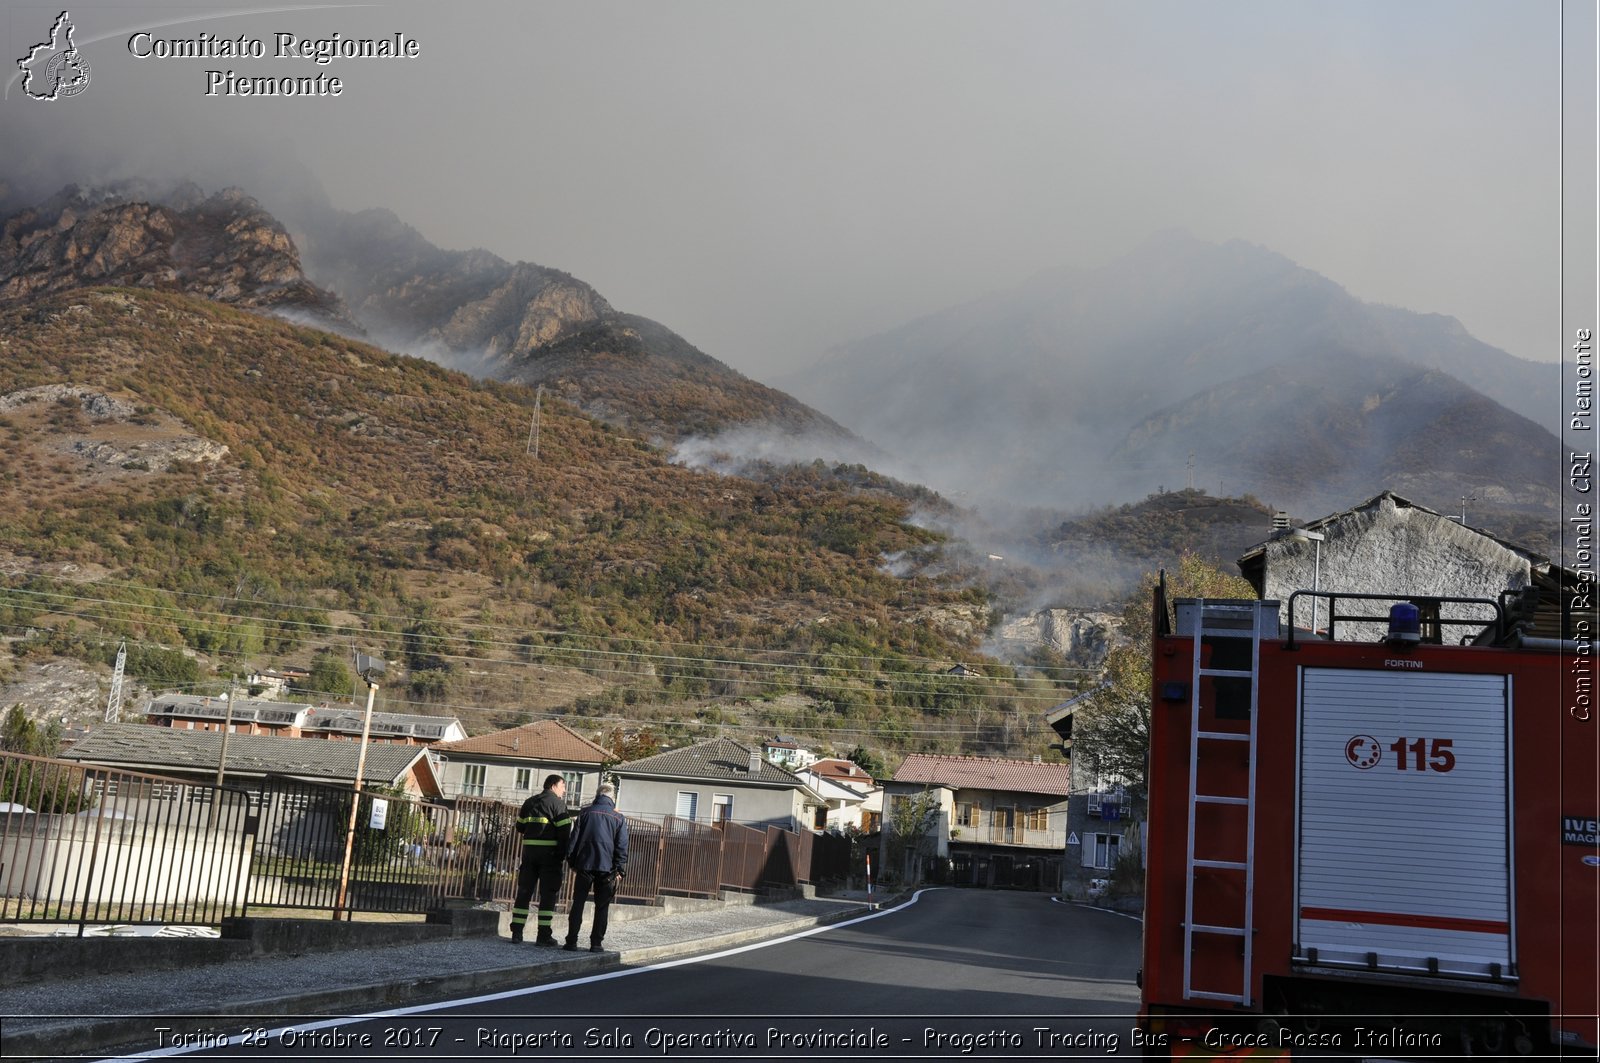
(722, 854)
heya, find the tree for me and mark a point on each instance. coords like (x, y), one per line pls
(330, 674)
(869, 762)
(636, 746)
(18, 734)
(1111, 730)
(912, 818)
(42, 787)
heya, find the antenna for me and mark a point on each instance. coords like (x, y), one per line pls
(114, 702)
(1189, 485)
(1461, 518)
(533, 429)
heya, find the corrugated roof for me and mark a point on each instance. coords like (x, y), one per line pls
(542, 740)
(148, 747)
(720, 759)
(986, 773)
(349, 718)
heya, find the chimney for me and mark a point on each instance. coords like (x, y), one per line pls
(1037, 759)
(516, 744)
(755, 761)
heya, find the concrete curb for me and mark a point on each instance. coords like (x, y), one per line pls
(86, 1034)
(714, 942)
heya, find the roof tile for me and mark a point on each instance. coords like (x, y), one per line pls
(986, 773)
(720, 759)
(542, 740)
(153, 748)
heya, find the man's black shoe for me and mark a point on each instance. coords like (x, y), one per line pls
(595, 946)
(571, 946)
(516, 939)
(546, 939)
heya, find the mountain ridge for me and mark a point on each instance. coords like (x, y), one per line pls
(1062, 375)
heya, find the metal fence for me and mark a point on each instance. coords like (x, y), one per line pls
(83, 844)
(669, 856)
(407, 865)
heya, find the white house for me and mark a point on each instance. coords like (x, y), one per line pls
(787, 754)
(511, 765)
(854, 799)
(714, 782)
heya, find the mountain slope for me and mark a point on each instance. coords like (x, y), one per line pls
(224, 247)
(1357, 421)
(535, 325)
(1051, 377)
(199, 463)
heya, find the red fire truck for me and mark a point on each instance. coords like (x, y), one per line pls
(1375, 846)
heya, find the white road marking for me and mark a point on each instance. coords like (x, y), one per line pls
(418, 1009)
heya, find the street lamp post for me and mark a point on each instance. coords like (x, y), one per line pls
(369, 668)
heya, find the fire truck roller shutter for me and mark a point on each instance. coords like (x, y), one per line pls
(1403, 825)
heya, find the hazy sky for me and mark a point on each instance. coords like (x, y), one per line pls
(772, 178)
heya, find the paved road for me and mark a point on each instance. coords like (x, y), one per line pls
(957, 974)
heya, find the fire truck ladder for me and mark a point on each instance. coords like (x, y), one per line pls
(1222, 620)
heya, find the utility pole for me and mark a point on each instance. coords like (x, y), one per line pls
(369, 669)
(533, 429)
(222, 757)
(1189, 484)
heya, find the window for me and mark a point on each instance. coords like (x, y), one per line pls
(1036, 819)
(722, 808)
(688, 803)
(967, 815)
(1100, 850)
(472, 779)
(524, 778)
(574, 798)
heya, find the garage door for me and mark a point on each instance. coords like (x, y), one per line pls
(1403, 821)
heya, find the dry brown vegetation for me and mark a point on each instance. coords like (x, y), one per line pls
(397, 497)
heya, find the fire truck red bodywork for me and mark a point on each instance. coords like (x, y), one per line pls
(1551, 982)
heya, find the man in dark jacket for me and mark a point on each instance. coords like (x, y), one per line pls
(600, 857)
(546, 827)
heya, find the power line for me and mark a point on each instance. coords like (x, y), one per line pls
(618, 673)
(465, 624)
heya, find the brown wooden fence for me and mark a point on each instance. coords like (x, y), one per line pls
(666, 857)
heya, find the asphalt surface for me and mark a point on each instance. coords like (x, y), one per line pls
(81, 1018)
(950, 974)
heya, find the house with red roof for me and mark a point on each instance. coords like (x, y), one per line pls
(511, 765)
(998, 822)
(853, 798)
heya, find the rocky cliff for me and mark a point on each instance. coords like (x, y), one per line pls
(532, 324)
(1075, 635)
(224, 247)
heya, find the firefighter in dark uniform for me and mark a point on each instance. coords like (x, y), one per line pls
(545, 825)
(600, 858)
